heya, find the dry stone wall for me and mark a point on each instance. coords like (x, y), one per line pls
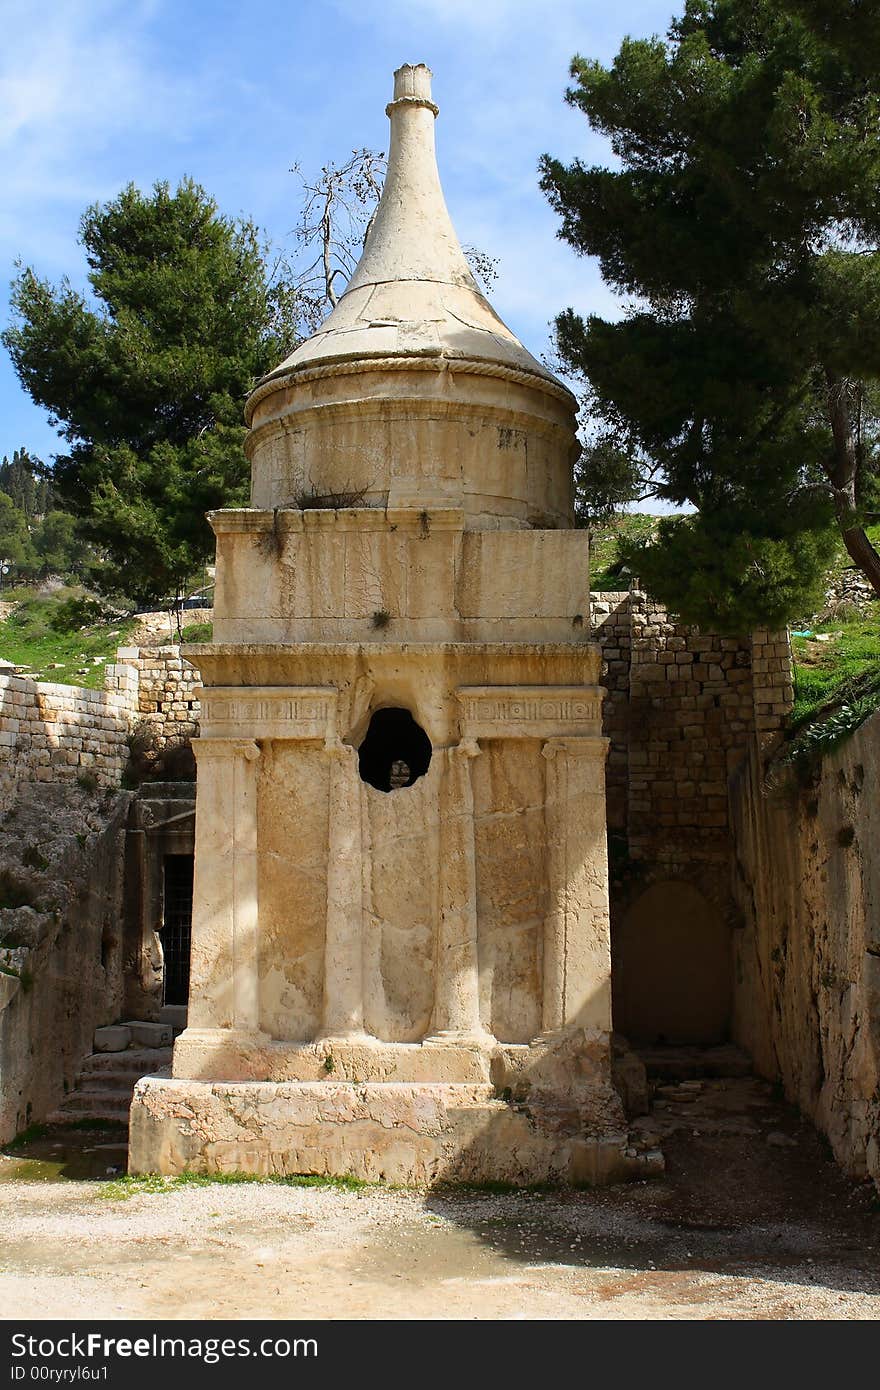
(682, 709)
(56, 733)
(166, 685)
(51, 733)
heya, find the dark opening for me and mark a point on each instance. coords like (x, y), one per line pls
(108, 943)
(395, 751)
(671, 967)
(177, 927)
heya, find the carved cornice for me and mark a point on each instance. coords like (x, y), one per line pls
(269, 712)
(537, 711)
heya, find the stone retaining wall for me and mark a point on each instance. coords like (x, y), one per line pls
(165, 691)
(682, 710)
(52, 732)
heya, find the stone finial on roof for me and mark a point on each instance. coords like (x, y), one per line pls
(412, 293)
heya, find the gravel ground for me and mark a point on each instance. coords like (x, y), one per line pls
(752, 1220)
(267, 1251)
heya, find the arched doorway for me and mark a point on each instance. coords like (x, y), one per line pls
(671, 962)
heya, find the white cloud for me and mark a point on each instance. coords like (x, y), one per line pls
(72, 77)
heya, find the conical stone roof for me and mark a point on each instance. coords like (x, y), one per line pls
(412, 294)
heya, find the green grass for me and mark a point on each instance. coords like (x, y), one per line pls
(129, 1185)
(837, 686)
(27, 638)
(604, 554)
(844, 667)
(197, 632)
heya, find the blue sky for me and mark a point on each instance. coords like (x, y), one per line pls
(97, 93)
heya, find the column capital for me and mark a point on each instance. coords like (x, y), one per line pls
(465, 748)
(595, 747)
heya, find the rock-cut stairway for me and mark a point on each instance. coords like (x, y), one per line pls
(103, 1087)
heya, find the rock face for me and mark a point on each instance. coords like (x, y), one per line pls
(401, 868)
(807, 965)
(61, 956)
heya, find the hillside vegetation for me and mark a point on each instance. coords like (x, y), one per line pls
(63, 636)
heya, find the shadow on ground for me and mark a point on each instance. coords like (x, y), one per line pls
(750, 1190)
(53, 1153)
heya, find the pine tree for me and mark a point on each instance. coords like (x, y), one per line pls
(148, 379)
(743, 223)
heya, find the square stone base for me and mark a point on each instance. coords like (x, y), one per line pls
(409, 1134)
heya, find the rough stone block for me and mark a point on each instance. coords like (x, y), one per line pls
(114, 1038)
(150, 1034)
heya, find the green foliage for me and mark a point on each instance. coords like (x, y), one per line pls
(15, 541)
(22, 480)
(40, 539)
(837, 687)
(148, 378)
(78, 611)
(842, 670)
(60, 547)
(822, 735)
(730, 573)
(41, 635)
(607, 567)
(197, 632)
(742, 221)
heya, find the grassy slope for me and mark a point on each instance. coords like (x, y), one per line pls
(603, 548)
(839, 664)
(27, 639)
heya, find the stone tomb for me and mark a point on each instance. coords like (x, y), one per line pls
(400, 961)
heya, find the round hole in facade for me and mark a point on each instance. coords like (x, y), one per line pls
(395, 751)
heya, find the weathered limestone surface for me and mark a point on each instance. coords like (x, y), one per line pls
(400, 873)
(408, 1134)
(807, 976)
(323, 575)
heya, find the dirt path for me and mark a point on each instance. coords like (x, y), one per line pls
(738, 1228)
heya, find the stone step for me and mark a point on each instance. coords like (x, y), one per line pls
(147, 1034)
(91, 1103)
(122, 1082)
(119, 1037)
(114, 1037)
(136, 1062)
(106, 1119)
(670, 1063)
